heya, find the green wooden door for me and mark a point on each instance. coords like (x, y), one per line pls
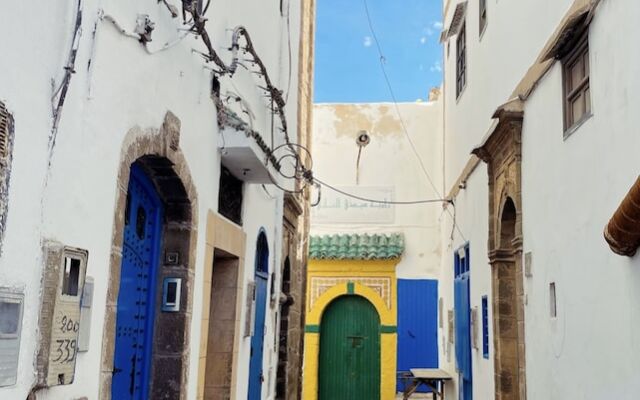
(349, 351)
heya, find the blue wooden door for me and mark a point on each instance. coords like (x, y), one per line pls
(417, 327)
(136, 298)
(462, 324)
(256, 376)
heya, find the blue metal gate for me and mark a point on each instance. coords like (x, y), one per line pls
(256, 376)
(136, 298)
(462, 324)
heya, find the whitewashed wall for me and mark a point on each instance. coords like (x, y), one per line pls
(388, 162)
(570, 189)
(70, 197)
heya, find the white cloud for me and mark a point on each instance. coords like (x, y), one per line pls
(368, 41)
(436, 67)
(429, 31)
(423, 40)
(437, 25)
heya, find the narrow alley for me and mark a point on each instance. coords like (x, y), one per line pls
(319, 200)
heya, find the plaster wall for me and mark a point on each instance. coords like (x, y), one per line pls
(388, 161)
(64, 188)
(567, 200)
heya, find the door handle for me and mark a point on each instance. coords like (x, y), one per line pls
(116, 370)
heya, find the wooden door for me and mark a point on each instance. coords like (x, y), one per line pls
(349, 351)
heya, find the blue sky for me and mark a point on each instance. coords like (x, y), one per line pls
(346, 59)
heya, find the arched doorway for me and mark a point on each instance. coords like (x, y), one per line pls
(256, 376)
(349, 351)
(167, 204)
(505, 305)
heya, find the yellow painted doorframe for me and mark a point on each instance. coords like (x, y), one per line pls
(388, 339)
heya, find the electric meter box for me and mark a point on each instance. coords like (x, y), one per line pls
(11, 306)
(64, 278)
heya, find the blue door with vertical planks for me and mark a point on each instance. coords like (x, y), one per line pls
(256, 376)
(417, 327)
(136, 297)
(462, 304)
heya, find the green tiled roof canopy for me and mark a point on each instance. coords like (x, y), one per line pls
(356, 247)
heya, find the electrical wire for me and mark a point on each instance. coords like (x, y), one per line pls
(378, 201)
(382, 60)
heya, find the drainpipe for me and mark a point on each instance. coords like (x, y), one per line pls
(623, 230)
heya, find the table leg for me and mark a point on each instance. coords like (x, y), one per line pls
(410, 390)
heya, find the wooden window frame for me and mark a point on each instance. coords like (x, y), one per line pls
(482, 16)
(576, 50)
(461, 60)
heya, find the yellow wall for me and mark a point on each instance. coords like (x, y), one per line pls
(353, 277)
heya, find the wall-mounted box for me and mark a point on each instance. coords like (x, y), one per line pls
(85, 315)
(11, 306)
(63, 285)
(171, 292)
(250, 317)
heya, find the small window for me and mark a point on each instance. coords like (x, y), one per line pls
(485, 327)
(71, 277)
(461, 261)
(577, 94)
(553, 306)
(461, 60)
(230, 196)
(483, 15)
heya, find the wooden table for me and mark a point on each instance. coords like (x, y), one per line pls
(435, 378)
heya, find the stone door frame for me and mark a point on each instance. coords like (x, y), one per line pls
(158, 152)
(502, 151)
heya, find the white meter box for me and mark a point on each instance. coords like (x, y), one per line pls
(64, 277)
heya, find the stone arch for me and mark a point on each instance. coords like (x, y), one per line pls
(388, 340)
(158, 153)
(508, 308)
(507, 227)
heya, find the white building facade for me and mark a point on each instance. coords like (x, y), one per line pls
(543, 94)
(100, 89)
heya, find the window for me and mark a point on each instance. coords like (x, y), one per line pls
(230, 196)
(461, 60)
(461, 261)
(485, 327)
(553, 305)
(577, 95)
(483, 15)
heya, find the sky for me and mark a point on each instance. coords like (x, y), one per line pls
(347, 66)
